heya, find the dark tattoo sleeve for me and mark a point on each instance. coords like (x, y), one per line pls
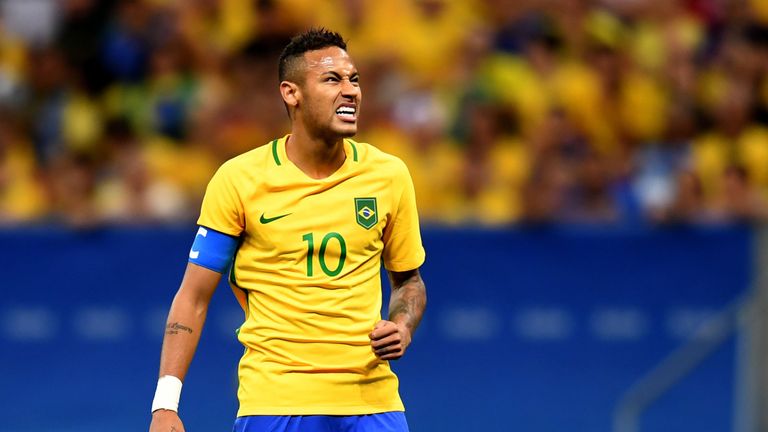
(175, 328)
(409, 297)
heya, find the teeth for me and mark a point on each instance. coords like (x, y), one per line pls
(346, 110)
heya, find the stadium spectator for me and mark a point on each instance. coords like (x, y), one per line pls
(71, 185)
(128, 192)
(657, 163)
(22, 197)
(742, 200)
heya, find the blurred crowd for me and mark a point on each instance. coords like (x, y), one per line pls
(505, 111)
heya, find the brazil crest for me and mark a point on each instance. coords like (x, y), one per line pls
(365, 212)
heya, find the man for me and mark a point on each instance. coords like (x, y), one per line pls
(307, 219)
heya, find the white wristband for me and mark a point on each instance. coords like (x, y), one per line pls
(167, 394)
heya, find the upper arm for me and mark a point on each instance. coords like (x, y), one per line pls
(398, 279)
(222, 222)
(222, 208)
(198, 284)
(211, 256)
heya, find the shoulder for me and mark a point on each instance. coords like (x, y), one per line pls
(242, 172)
(379, 160)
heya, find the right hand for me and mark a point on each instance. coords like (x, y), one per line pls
(166, 421)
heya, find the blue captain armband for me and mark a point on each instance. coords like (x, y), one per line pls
(213, 250)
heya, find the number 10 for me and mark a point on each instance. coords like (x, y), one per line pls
(310, 239)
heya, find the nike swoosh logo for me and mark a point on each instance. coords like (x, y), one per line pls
(266, 220)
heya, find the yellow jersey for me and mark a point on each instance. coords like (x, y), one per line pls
(309, 262)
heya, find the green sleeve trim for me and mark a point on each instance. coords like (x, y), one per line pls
(232, 277)
(354, 150)
(274, 152)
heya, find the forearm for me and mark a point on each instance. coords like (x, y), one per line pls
(185, 320)
(182, 333)
(408, 299)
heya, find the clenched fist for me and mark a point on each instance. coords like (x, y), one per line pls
(389, 339)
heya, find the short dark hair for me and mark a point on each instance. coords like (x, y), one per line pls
(313, 39)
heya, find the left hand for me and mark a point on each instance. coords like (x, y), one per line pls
(389, 339)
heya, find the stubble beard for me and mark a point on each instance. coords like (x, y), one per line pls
(329, 129)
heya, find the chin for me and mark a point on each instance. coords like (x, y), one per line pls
(347, 132)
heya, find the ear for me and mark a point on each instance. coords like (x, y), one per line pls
(290, 93)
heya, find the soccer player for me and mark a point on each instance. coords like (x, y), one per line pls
(304, 223)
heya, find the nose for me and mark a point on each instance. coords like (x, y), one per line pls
(349, 89)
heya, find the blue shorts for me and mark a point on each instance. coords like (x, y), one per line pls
(382, 422)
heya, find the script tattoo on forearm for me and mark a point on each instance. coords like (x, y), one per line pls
(175, 328)
(409, 297)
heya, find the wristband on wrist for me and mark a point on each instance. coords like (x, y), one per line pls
(167, 394)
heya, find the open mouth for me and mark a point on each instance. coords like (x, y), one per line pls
(347, 113)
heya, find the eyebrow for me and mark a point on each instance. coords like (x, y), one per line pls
(336, 74)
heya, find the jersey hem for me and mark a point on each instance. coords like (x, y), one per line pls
(218, 230)
(336, 410)
(401, 266)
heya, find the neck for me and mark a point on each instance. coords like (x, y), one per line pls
(316, 157)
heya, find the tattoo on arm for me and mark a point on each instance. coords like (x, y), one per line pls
(175, 328)
(409, 297)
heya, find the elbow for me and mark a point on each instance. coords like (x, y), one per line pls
(186, 301)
